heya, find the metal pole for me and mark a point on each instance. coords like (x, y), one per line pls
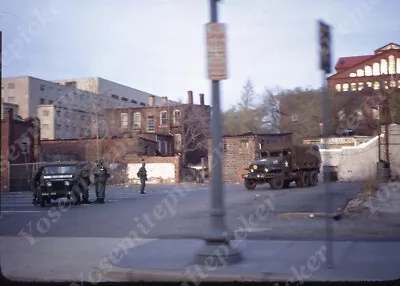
(327, 175)
(1, 103)
(217, 235)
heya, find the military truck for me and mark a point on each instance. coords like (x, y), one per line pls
(281, 163)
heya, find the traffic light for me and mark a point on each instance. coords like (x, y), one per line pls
(325, 47)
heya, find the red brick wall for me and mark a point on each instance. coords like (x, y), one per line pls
(13, 131)
(112, 150)
(237, 157)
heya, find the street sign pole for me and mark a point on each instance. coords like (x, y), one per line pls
(325, 66)
(217, 246)
(1, 103)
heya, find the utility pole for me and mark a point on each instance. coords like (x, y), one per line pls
(325, 66)
(1, 103)
(217, 239)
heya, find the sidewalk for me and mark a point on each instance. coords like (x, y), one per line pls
(85, 259)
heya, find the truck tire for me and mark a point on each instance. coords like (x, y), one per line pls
(277, 183)
(250, 185)
(286, 184)
(305, 179)
(313, 178)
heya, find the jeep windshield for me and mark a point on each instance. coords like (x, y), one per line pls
(49, 170)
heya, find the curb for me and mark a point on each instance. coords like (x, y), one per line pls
(135, 275)
(336, 215)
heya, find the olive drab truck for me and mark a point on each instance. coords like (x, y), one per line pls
(282, 163)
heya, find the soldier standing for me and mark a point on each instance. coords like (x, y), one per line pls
(84, 185)
(35, 183)
(142, 174)
(101, 176)
(76, 192)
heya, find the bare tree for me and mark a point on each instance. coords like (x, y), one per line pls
(196, 127)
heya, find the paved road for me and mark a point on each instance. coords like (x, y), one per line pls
(169, 211)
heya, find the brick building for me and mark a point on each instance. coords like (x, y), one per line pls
(20, 143)
(240, 150)
(177, 129)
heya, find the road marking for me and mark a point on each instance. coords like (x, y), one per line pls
(255, 229)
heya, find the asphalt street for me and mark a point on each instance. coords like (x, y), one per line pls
(178, 211)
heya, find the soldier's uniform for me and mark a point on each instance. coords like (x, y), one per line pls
(142, 174)
(101, 176)
(81, 182)
(35, 183)
(76, 192)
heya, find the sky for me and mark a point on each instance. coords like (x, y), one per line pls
(159, 46)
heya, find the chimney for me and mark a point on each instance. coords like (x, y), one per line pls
(151, 100)
(164, 101)
(201, 95)
(190, 97)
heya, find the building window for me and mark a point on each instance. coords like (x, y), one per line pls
(338, 87)
(45, 126)
(42, 87)
(150, 123)
(392, 65)
(45, 112)
(376, 85)
(294, 117)
(398, 65)
(51, 102)
(124, 120)
(178, 142)
(353, 86)
(166, 148)
(244, 144)
(58, 113)
(124, 99)
(360, 86)
(360, 72)
(137, 120)
(353, 74)
(42, 101)
(225, 148)
(369, 83)
(11, 85)
(134, 101)
(368, 71)
(384, 66)
(143, 104)
(375, 69)
(11, 99)
(163, 118)
(114, 96)
(345, 87)
(58, 127)
(177, 117)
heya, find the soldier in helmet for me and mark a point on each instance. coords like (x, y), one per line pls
(142, 174)
(81, 182)
(34, 183)
(101, 176)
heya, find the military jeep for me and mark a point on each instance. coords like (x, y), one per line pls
(56, 181)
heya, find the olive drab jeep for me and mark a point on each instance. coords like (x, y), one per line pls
(56, 181)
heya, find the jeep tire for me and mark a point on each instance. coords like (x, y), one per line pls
(249, 184)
